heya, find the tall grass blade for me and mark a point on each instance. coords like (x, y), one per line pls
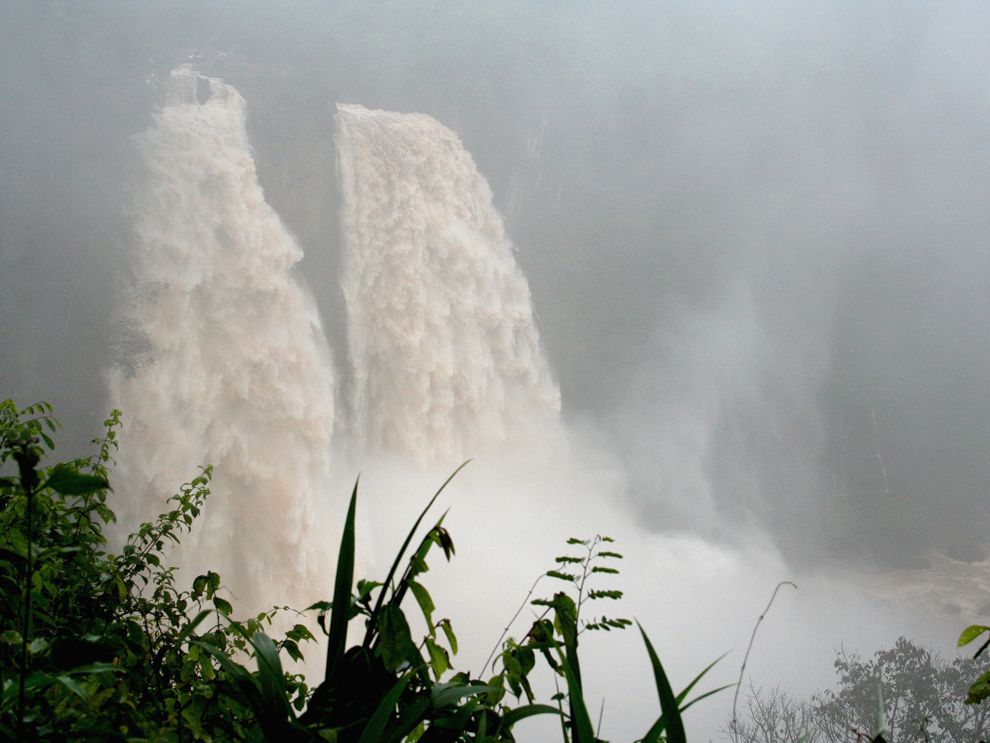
(707, 694)
(342, 589)
(670, 716)
(374, 731)
(581, 728)
(271, 676)
(513, 716)
(373, 622)
(687, 689)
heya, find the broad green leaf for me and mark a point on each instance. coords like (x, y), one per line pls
(979, 690)
(439, 661)
(971, 633)
(67, 480)
(424, 600)
(448, 630)
(395, 640)
(445, 695)
(74, 686)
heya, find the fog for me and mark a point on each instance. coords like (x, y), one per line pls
(753, 235)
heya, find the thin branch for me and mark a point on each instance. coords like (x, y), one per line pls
(742, 668)
(523, 605)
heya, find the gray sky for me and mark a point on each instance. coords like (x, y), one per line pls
(755, 233)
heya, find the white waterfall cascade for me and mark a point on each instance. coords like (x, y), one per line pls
(237, 372)
(445, 354)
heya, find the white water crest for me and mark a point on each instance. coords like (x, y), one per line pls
(236, 371)
(445, 354)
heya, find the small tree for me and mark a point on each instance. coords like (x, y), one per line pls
(774, 716)
(921, 695)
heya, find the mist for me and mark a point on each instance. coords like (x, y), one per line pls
(753, 240)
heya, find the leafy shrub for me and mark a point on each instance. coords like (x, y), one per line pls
(105, 646)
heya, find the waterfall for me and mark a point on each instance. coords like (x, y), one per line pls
(235, 370)
(444, 350)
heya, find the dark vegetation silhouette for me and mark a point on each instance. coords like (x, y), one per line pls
(105, 645)
(101, 645)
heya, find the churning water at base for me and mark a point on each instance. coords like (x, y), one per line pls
(445, 355)
(236, 371)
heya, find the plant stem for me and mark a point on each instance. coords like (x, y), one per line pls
(505, 631)
(742, 668)
(26, 463)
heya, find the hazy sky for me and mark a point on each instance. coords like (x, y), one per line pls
(755, 233)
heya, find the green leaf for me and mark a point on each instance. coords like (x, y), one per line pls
(980, 689)
(448, 630)
(396, 645)
(446, 695)
(581, 728)
(971, 633)
(373, 621)
(439, 661)
(513, 716)
(74, 686)
(670, 716)
(342, 589)
(424, 601)
(271, 676)
(687, 689)
(223, 606)
(97, 668)
(67, 480)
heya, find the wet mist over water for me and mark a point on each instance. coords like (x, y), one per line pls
(754, 243)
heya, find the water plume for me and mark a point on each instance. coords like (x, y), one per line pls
(234, 371)
(445, 354)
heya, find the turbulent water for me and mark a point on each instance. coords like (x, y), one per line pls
(235, 370)
(445, 355)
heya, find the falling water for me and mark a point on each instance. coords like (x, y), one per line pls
(236, 371)
(445, 355)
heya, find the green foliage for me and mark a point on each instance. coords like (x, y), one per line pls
(980, 688)
(107, 646)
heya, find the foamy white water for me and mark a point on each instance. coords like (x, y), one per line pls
(237, 372)
(445, 354)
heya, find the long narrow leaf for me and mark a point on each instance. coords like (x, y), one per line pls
(342, 589)
(189, 628)
(375, 728)
(272, 676)
(707, 694)
(373, 622)
(445, 695)
(410, 715)
(669, 711)
(687, 689)
(521, 713)
(239, 677)
(581, 727)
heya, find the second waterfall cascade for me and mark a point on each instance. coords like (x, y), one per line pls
(445, 354)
